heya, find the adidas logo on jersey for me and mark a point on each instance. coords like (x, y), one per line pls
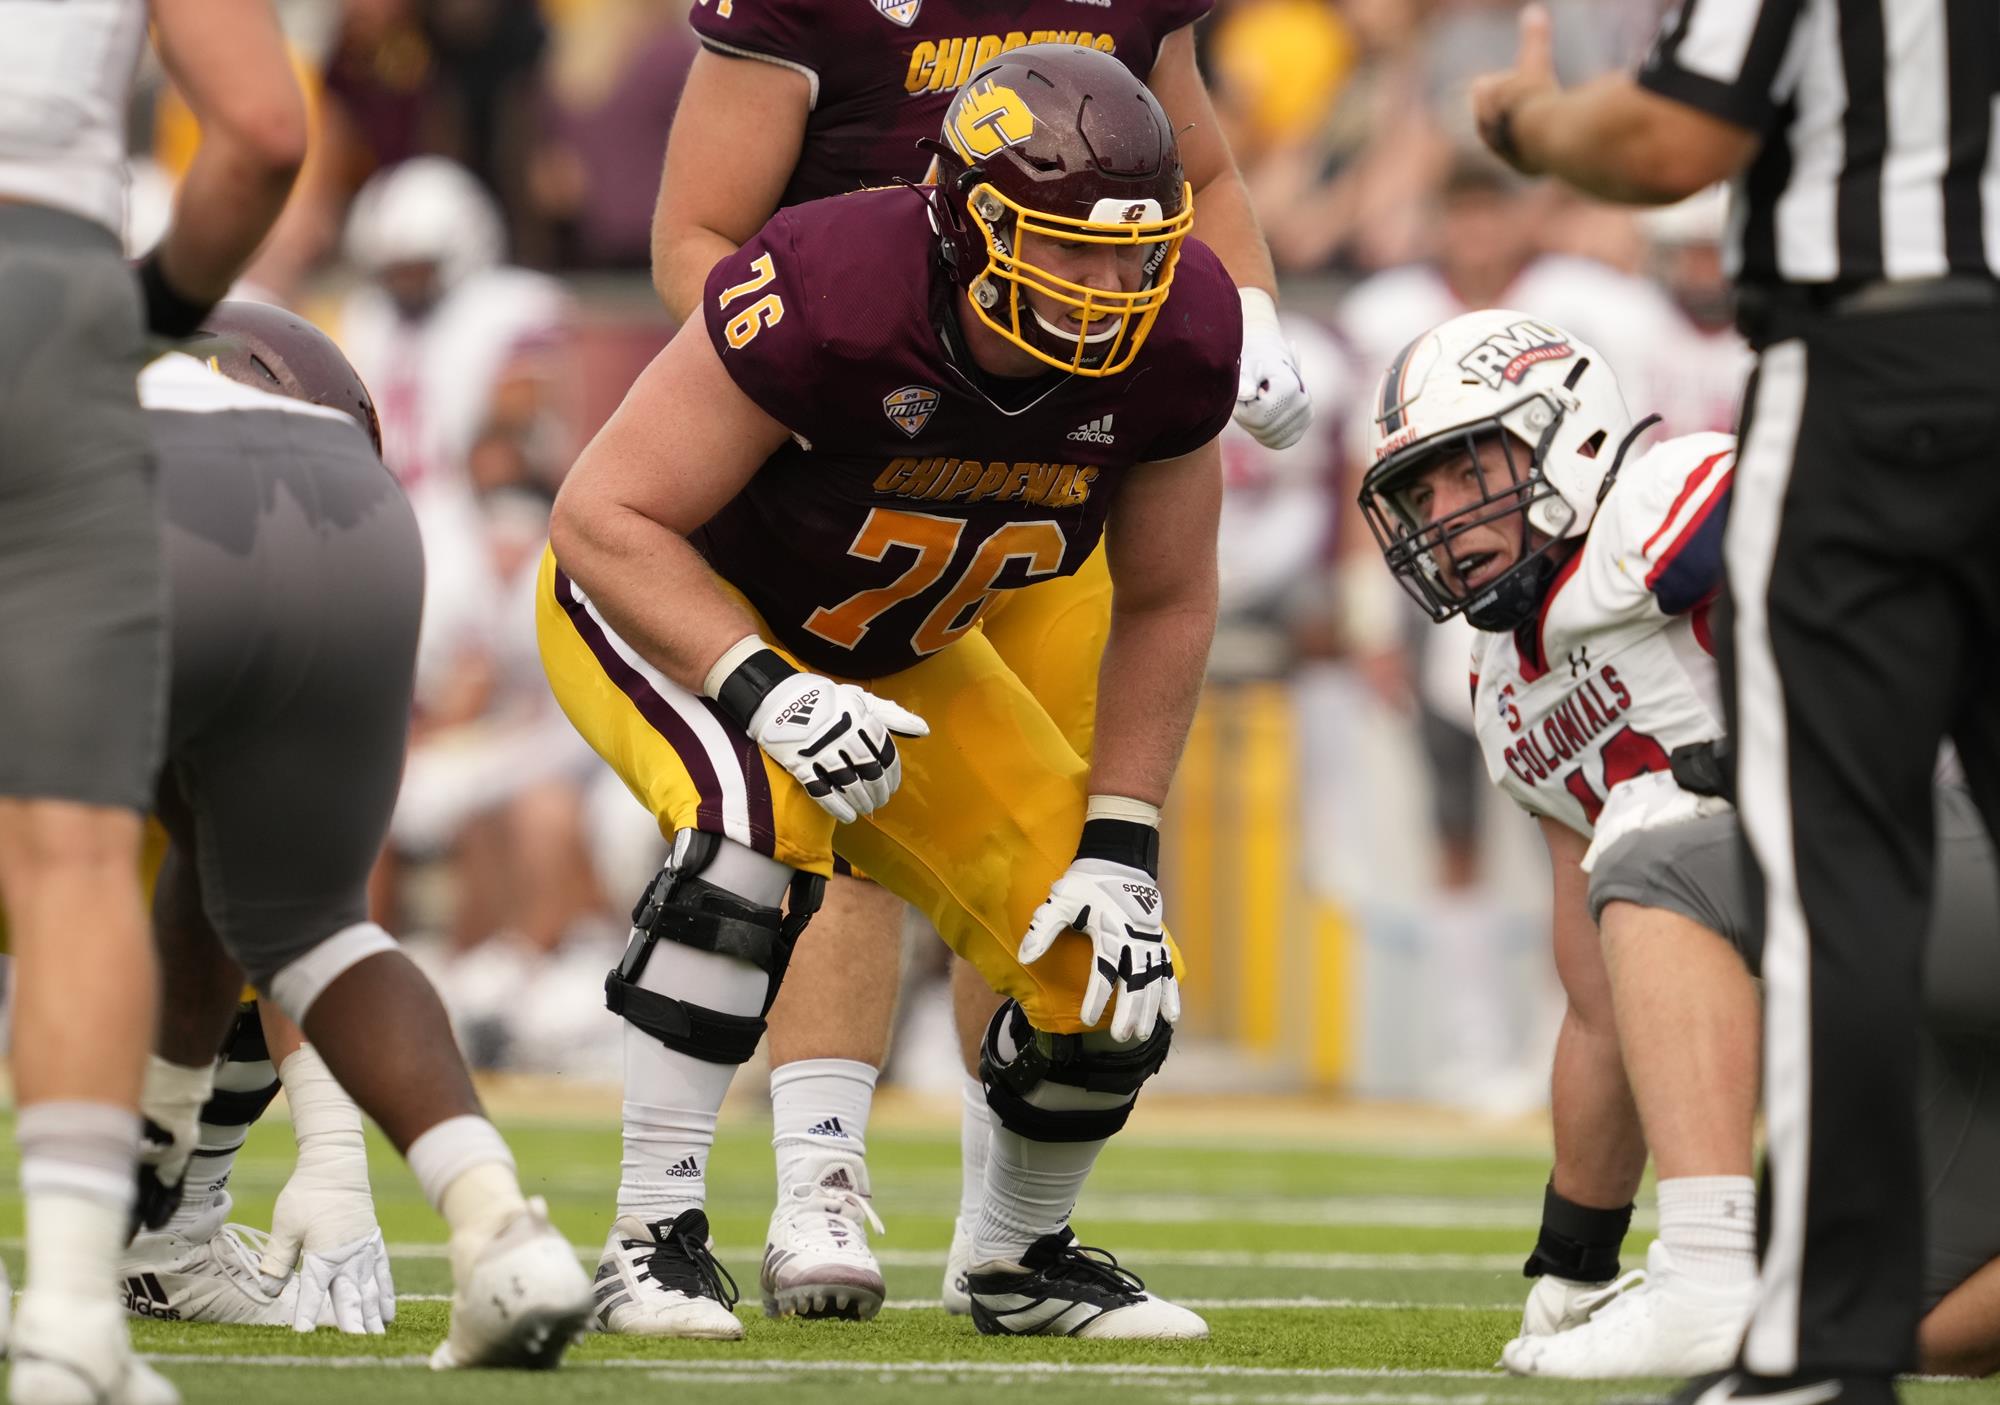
(144, 1297)
(829, 1128)
(685, 1169)
(1098, 431)
(1147, 898)
(799, 712)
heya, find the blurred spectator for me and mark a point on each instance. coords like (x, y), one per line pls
(463, 355)
(1702, 377)
(1350, 191)
(457, 78)
(1274, 68)
(614, 81)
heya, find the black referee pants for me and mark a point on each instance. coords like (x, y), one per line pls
(1864, 567)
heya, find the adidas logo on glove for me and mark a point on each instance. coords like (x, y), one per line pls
(799, 711)
(1147, 898)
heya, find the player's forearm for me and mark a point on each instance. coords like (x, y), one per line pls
(683, 254)
(1606, 139)
(651, 586)
(1147, 688)
(1600, 1147)
(231, 197)
(1225, 221)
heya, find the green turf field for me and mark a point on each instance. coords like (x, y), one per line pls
(1329, 1273)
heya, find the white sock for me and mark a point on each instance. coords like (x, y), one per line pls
(238, 1087)
(671, 1098)
(819, 1108)
(466, 1173)
(975, 1135)
(1710, 1225)
(1030, 1190)
(78, 1167)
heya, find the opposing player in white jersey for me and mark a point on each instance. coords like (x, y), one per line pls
(1505, 488)
(82, 625)
(1502, 491)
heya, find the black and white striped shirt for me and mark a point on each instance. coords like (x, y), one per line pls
(1879, 157)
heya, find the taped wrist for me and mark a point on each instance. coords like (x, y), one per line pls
(169, 312)
(1122, 841)
(1577, 1242)
(743, 691)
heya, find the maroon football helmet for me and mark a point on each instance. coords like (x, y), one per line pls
(275, 350)
(1060, 142)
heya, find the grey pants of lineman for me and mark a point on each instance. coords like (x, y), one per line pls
(295, 580)
(1696, 870)
(82, 619)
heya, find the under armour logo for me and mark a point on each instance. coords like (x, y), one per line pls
(1579, 661)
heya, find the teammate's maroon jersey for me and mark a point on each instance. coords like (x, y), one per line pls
(883, 71)
(907, 497)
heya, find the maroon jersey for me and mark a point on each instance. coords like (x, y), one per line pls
(883, 71)
(907, 497)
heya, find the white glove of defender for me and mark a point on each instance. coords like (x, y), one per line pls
(1119, 908)
(1272, 403)
(325, 1218)
(1651, 801)
(1558, 1304)
(837, 740)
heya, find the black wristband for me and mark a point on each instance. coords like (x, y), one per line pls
(1577, 1242)
(169, 312)
(1501, 137)
(1122, 841)
(743, 691)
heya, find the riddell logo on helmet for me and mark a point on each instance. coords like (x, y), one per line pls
(1506, 356)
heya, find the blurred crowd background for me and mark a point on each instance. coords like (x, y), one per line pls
(1359, 910)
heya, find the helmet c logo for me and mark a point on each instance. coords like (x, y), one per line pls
(987, 118)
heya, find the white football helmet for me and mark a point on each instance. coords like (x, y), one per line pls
(1554, 406)
(426, 210)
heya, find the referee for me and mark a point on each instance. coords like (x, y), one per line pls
(1864, 566)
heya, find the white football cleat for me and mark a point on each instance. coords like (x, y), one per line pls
(521, 1303)
(1061, 1289)
(957, 1264)
(75, 1351)
(208, 1273)
(1668, 1325)
(816, 1258)
(1558, 1304)
(662, 1280)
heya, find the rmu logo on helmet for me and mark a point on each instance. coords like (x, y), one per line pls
(988, 118)
(1506, 355)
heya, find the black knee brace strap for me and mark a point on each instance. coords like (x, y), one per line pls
(1042, 1057)
(1577, 1242)
(681, 908)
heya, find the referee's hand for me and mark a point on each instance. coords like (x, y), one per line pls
(1496, 95)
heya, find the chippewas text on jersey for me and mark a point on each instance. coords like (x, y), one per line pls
(974, 480)
(944, 65)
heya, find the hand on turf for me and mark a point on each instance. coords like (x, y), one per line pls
(347, 1287)
(1119, 908)
(837, 740)
(1272, 403)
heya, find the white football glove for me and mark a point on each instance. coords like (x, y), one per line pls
(325, 1219)
(1650, 801)
(170, 1104)
(837, 740)
(1272, 403)
(1558, 1304)
(1119, 908)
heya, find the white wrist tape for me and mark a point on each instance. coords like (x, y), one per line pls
(1121, 807)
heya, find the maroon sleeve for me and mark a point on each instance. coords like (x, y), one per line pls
(782, 31)
(760, 323)
(1202, 325)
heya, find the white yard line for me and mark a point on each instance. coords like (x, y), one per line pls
(1199, 1304)
(1147, 1258)
(812, 1365)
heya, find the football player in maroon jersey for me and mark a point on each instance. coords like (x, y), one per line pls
(798, 99)
(765, 575)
